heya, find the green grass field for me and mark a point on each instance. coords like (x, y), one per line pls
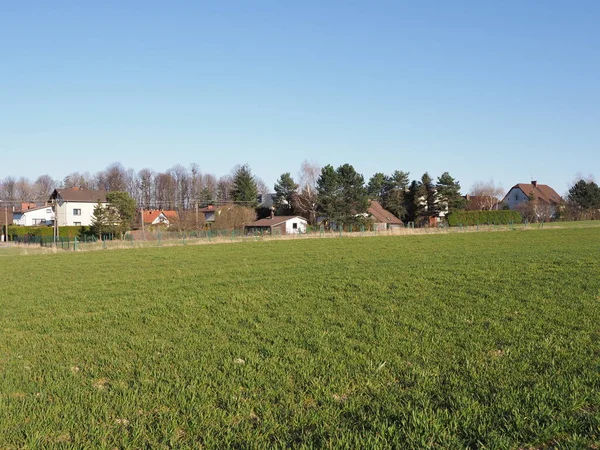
(472, 340)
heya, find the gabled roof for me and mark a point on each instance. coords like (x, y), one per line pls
(79, 195)
(540, 191)
(151, 215)
(382, 215)
(271, 222)
(37, 208)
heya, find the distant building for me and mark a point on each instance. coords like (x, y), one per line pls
(159, 217)
(525, 192)
(34, 216)
(278, 224)
(75, 206)
(383, 219)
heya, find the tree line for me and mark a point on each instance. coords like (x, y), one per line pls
(341, 195)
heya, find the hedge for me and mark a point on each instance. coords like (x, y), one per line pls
(45, 231)
(503, 217)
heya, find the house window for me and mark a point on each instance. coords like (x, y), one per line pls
(48, 211)
(295, 226)
(77, 212)
(77, 224)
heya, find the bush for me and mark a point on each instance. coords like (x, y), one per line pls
(66, 232)
(484, 218)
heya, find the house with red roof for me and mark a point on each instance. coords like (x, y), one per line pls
(159, 217)
(544, 197)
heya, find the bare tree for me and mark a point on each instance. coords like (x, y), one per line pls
(43, 187)
(8, 189)
(166, 190)
(306, 198)
(487, 195)
(208, 193)
(224, 188)
(76, 179)
(24, 191)
(115, 178)
(145, 180)
(234, 218)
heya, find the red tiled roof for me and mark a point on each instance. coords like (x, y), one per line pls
(382, 215)
(151, 215)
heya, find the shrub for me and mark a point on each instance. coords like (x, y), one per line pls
(484, 218)
(45, 231)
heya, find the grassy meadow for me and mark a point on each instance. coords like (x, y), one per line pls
(465, 340)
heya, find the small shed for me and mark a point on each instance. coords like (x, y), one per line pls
(277, 225)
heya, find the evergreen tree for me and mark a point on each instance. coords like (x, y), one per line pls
(286, 190)
(395, 192)
(125, 207)
(105, 220)
(584, 195)
(328, 193)
(428, 197)
(377, 187)
(245, 190)
(354, 197)
(414, 205)
(343, 197)
(448, 193)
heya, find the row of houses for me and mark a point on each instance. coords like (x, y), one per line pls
(75, 207)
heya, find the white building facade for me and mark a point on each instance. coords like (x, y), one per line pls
(75, 207)
(39, 216)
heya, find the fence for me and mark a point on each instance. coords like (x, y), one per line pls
(140, 239)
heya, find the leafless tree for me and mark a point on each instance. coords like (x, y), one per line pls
(76, 179)
(306, 198)
(145, 180)
(166, 191)
(488, 194)
(224, 187)
(208, 193)
(43, 187)
(115, 178)
(233, 218)
(24, 191)
(8, 189)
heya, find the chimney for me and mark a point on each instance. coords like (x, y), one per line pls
(272, 213)
(534, 183)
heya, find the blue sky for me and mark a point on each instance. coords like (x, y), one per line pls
(504, 90)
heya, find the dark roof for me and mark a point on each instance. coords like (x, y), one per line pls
(21, 211)
(382, 215)
(271, 222)
(79, 195)
(541, 191)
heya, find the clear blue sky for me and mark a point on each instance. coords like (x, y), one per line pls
(483, 89)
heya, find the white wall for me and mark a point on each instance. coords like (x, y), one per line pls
(66, 218)
(301, 226)
(515, 197)
(34, 217)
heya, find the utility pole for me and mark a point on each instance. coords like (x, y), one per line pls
(196, 214)
(5, 222)
(142, 218)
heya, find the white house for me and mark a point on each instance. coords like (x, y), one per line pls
(159, 217)
(75, 206)
(36, 216)
(524, 192)
(278, 224)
